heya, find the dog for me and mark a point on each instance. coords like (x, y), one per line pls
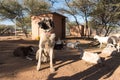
(47, 42)
(59, 44)
(24, 52)
(44, 57)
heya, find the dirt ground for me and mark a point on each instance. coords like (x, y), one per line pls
(68, 65)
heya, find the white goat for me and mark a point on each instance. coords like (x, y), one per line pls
(109, 50)
(101, 39)
(90, 57)
(73, 44)
(115, 40)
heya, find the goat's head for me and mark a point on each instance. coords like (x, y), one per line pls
(96, 37)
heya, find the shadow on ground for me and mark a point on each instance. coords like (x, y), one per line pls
(93, 73)
(10, 64)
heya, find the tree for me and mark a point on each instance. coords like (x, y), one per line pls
(84, 8)
(36, 7)
(9, 9)
(79, 8)
(22, 11)
(71, 11)
(105, 15)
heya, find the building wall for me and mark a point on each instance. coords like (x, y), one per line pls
(63, 28)
(79, 31)
(35, 27)
(59, 25)
(74, 31)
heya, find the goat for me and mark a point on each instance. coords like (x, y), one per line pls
(90, 57)
(59, 44)
(115, 40)
(109, 50)
(101, 39)
(73, 44)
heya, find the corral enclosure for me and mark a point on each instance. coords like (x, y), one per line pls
(68, 65)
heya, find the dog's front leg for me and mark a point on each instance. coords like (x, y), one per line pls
(39, 59)
(51, 60)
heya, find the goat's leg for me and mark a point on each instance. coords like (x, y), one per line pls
(37, 54)
(51, 60)
(39, 59)
(118, 47)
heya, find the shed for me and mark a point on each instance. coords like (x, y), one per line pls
(58, 19)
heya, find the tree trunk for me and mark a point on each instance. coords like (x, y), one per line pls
(73, 16)
(25, 32)
(77, 24)
(86, 30)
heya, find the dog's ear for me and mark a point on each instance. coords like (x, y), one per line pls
(31, 48)
(40, 24)
(51, 23)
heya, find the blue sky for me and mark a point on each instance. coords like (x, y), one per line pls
(7, 22)
(59, 4)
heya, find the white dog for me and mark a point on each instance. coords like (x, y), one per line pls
(47, 41)
(75, 45)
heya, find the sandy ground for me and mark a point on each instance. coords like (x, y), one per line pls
(68, 65)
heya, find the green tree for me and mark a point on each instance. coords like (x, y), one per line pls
(9, 9)
(84, 9)
(36, 7)
(69, 9)
(21, 12)
(77, 8)
(105, 15)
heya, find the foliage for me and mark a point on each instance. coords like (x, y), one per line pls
(105, 15)
(9, 9)
(35, 7)
(20, 13)
(5, 28)
(79, 8)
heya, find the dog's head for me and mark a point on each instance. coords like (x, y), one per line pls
(46, 24)
(30, 50)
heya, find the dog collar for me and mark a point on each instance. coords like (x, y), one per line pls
(48, 33)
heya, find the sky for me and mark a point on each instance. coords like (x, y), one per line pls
(61, 4)
(57, 5)
(7, 22)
